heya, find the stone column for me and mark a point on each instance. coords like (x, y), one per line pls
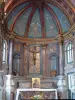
(61, 58)
(61, 79)
(74, 51)
(10, 51)
(44, 60)
(0, 49)
(26, 60)
(22, 61)
(9, 83)
(10, 87)
(2, 85)
(62, 87)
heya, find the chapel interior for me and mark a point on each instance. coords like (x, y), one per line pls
(37, 49)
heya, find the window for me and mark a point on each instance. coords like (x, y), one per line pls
(69, 53)
(4, 51)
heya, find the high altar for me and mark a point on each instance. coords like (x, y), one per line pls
(35, 62)
(36, 48)
(35, 92)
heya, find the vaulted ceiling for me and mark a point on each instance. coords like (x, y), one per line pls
(39, 18)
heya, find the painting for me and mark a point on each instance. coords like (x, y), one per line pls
(35, 82)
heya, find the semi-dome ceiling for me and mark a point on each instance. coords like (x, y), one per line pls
(37, 19)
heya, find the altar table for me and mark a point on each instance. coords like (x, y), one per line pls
(35, 90)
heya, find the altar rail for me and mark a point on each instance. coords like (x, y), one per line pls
(35, 90)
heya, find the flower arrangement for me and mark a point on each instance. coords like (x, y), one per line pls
(36, 97)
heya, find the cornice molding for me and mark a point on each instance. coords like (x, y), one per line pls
(65, 36)
(71, 5)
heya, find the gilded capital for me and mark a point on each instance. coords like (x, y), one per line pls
(44, 46)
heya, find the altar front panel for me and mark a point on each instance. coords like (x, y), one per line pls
(23, 94)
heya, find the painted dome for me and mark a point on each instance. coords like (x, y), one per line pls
(37, 19)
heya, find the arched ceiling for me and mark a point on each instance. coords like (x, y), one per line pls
(39, 18)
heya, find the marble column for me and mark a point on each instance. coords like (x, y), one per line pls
(61, 58)
(74, 51)
(61, 79)
(10, 51)
(44, 60)
(10, 87)
(0, 49)
(22, 60)
(46, 57)
(26, 60)
(9, 79)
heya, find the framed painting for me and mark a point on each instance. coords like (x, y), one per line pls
(35, 82)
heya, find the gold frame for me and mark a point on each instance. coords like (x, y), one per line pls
(35, 82)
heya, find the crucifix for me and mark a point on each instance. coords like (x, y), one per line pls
(34, 57)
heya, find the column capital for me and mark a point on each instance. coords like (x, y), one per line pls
(61, 40)
(44, 46)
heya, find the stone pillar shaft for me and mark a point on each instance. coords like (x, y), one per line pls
(44, 60)
(22, 61)
(74, 50)
(0, 48)
(61, 57)
(25, 60)
(10, 55)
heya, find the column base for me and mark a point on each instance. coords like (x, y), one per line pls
(62, 87)
(9, 87)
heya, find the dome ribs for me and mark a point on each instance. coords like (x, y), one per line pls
(55, 17)
(11, 7)
(37, 17)
(42, 20)
(18, 15)
(29, 21)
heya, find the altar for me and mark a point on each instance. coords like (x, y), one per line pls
(36, 93)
